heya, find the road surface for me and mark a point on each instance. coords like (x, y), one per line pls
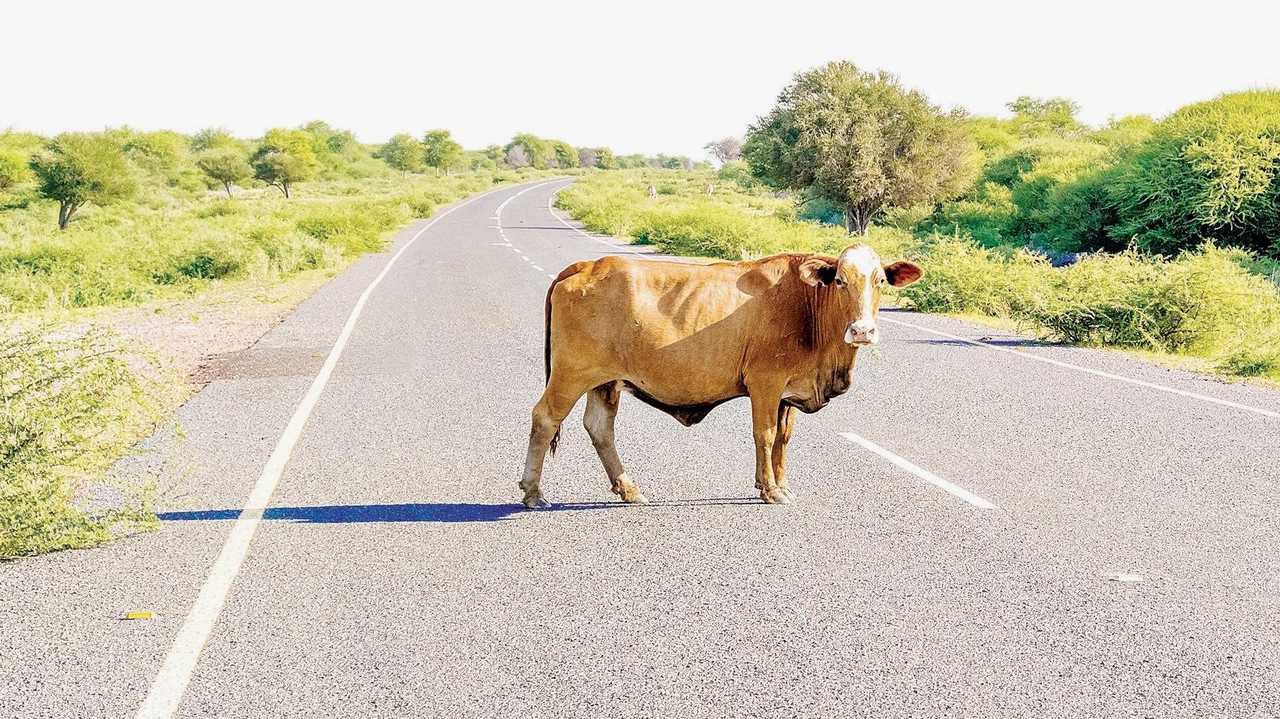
(983, 527)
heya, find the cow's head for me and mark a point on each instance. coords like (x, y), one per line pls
(858, 274)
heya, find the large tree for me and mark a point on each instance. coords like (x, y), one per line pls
(862, 141)
(75, 168)
(441, 151)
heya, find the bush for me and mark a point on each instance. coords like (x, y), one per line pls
(1210, 170)
(69, 406)
(1202, 302)
(13, 169)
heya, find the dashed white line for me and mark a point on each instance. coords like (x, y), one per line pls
(948, 487)
(536, 267)
(1089, 370)
(165, 694)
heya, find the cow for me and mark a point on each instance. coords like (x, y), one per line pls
(683, 337)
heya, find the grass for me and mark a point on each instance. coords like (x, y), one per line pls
(1221, 307)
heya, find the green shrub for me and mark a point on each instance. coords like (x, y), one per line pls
(963, 277)
(69, 406)
(13, 169)
(1210, 170)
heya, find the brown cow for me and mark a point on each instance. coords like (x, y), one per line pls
(683, 337)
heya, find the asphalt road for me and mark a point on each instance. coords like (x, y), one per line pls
(1128, 565)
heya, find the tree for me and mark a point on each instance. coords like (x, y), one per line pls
(725, 150)
(285, 157)
(226, 165)
(1034, 116)
(516, 157)
(212, 138)
(537, 150)
(564, 153)
(587, 157)
(862, 141)
(605, 159)
(13, 169)
(403, 152)
(75, 168)
(439, 150)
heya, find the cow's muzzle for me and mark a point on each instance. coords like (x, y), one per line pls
(862, 334)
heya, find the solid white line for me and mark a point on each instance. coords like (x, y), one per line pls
(924, 474)
(1095, 372)
(171, 683)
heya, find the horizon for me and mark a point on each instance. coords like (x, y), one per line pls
(591, 88)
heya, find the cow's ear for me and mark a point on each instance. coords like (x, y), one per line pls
(902, 273)
(817, 271)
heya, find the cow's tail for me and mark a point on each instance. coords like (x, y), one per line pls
(569, 271)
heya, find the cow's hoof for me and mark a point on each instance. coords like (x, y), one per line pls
(777, 496)
(636, 498)
(536, 503)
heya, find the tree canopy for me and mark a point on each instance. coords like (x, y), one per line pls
(862, 141)
(441, 151)
(403, 152)
(75, 168)
(285, 157)
(226, 165)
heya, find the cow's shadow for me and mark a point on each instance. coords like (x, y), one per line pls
(450, 512)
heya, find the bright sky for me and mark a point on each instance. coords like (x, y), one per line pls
(640, 76)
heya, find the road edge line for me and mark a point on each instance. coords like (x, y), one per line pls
(1096, 372)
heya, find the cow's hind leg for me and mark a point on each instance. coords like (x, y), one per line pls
(602, 407)
(786, 423)
(556, 403)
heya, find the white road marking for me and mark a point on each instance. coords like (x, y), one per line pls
(170, 684)
(1095, 372)
(537, 267)
(920, 472)
(1124, 577)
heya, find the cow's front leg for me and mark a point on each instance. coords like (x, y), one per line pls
(764, 423)
(786, 423)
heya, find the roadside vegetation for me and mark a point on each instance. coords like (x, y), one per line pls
(1161, 236)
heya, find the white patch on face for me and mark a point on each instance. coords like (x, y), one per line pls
(864, 261)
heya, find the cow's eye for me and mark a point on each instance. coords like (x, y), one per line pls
(839, 281)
